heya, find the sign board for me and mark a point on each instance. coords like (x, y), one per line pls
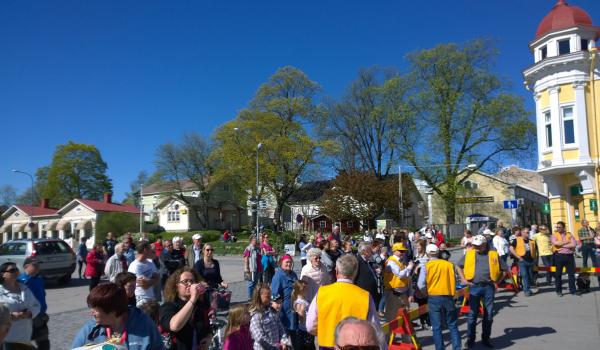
(546, 208)
(593, 205)
(262, 204)
(381, 224)
(511, 204)
(290, 249)
(467, 200)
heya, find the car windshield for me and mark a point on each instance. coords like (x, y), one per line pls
(13, 248)
(51, 247)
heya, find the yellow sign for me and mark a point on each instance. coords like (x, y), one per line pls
(468, 200)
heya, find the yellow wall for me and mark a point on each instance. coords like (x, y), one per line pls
(570, 155)
(548, 156)
(592, 125)
(566, 94)
(544, 100)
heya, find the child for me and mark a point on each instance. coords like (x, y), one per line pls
(265, 326)
(237, 332)
(303, 339)
(583, 282)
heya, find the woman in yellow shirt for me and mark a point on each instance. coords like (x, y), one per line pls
(543, 243)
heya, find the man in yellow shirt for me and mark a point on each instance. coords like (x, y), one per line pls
(543, 243)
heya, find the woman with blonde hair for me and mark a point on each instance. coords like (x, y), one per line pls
(265, 326)
(237, 332)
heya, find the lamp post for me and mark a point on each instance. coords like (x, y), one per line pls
(31, 177)
(257, 189)
(141, 208)
(401, 204)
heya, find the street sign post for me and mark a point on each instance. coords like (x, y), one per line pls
(511, 204)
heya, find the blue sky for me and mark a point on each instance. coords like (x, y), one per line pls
(128, 76)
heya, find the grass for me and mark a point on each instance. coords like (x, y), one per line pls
(222, 248)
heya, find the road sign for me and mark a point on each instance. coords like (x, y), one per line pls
(546, 208)
(466, 200)
(511, 204)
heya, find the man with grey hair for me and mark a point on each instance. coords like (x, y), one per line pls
(116, 264)
(314, 273)
(366, 277)
(327, 308)
(352, 331)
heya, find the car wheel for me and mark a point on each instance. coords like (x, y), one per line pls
(64, 280)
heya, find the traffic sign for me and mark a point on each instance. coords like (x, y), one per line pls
(546, 208)
(511, 204)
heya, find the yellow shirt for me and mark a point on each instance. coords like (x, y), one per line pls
(544, 244)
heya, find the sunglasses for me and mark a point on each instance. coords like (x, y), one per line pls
(208, 250)
(13, 270)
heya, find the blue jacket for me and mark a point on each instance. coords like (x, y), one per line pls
(142, 333)
(283, 285)
(37, 287)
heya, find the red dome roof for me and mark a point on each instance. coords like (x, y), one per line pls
(563, 16)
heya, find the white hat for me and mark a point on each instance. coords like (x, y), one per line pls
(176, 239)
(487, 232)
(478, 240)
(197, 236)
(429, 235)
(432, 248)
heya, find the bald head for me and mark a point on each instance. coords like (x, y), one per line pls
(356, 332)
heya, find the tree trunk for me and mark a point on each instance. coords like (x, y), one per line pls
(450, 205)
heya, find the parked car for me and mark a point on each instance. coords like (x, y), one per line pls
(57, 259)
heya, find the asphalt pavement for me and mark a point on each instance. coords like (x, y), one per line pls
(542, 321)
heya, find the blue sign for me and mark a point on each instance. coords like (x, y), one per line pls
(512, 204)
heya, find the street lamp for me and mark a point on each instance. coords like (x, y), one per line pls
(401, 204)
(141, 208)
(31, 177)
(257, 189)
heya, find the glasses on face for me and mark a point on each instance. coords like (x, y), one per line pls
(12, 270)
(317, 257)
(187, 282)
(208, 249)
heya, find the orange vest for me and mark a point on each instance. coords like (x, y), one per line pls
(335, 302)
(520, 249)
(558, 237)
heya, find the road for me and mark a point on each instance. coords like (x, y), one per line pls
(542, 321)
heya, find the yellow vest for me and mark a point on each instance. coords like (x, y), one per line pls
(335, 302)
(558, 238)
(520, 249)
(495, 273)
(390, 280)
(440, 278)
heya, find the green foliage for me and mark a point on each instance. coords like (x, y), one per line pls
(281, 238)
(77, 171)
(207, 236)
(117, 223)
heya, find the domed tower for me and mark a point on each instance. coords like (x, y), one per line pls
(564, 83)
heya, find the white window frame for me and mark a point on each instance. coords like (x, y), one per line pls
(547, 122)
(173, 216)
(322, 224)
(559, 40)
(562, 126)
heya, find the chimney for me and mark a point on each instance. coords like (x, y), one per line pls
(44, 203)
(108, 198)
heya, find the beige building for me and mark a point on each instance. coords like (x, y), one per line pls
(481, 199)
(26, 221)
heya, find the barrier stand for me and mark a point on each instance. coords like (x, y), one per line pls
(595, 270)
(466, 307)
(508, 283)
(402, 326)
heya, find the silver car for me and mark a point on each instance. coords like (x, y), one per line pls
(56, 258)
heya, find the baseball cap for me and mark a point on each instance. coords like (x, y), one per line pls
(398, 246)
(197, 236)
(176, 239)
(478, 240)
(432, 248)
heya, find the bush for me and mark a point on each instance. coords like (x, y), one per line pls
(281, 238)
(207, 236)
(117, 223)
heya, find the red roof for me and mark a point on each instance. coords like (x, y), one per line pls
(35, 211)
(110, 207)
(563, 16)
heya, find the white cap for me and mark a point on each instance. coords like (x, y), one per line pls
(478, 240)
(487, 232)
(429, 235)
(176, 239)
(197, 236)
(432, 248)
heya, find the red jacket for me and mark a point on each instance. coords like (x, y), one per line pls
(94, 266)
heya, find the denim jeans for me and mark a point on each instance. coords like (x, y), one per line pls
(526, 272)
(381, 306)
(256, 277)
(442, 307)
(568, 261)
(477, 293)
(587, 250)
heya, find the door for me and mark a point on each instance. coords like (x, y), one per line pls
(577, 212)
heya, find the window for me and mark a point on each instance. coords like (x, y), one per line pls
(349, 224)
(568, 125)
(322, 224)
(226, 187)
(173, 216)
(564, 47)
(584, 44)
(548, 128)
(470, 185)
(544, 52)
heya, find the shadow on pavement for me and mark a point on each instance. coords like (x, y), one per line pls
(511, 335)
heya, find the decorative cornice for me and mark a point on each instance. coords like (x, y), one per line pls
(554, 89)
(579, 85)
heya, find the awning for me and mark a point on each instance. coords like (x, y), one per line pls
(31, 227)
(83, 225)
(19, 227)
(51, 225)
(64, 225)
(7, 227)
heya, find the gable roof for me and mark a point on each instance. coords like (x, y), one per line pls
(310, 192)
(101, 206)
(30, 210)
(162, 187)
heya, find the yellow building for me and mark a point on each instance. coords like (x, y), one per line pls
(563, 82)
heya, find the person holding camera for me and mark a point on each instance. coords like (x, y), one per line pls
(184, 314)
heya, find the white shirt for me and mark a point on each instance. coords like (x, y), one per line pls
(20, 330)
(501, 245)
(145, 269)
(197, 253)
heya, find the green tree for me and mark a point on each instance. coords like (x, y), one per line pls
(275, 119)
(117, 223)
(179, 164)
(77, 171)
(463, 114)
